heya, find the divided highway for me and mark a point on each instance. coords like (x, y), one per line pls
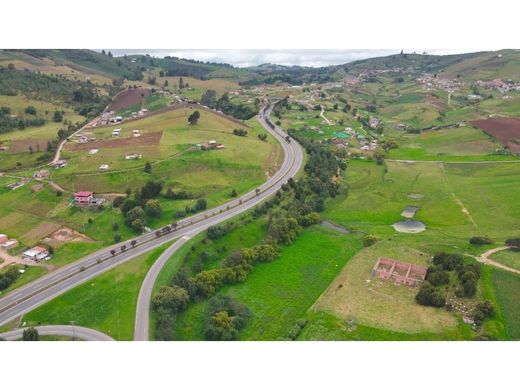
(34, 294)
(78, 332)
(293, 160)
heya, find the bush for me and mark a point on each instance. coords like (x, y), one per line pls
(217, 231)
(174, 299)
(437, 276)
(480, 240)
(224, 318)
(369, 240)
(513, 243)
(153, 208)
(429, 295)
(448, 261)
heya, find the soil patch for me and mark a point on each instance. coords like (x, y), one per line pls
(65, 234)
(145, 139)
(505, 130)
(22, 145)
(335, 226)
(128, 98)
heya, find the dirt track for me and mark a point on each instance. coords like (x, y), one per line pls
(145, 139)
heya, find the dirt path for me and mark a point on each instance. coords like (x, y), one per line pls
(485, 258)
(324, 117)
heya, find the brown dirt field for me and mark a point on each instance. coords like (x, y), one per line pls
(128, 98)
(36, 234)
(436, 102)
(145, 139)
(21, 146)
(65, 234)
(505, 130)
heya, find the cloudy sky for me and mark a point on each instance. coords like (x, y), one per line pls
(243, 58)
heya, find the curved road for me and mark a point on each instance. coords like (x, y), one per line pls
(34, 294)
(60, 330)
(293, 161)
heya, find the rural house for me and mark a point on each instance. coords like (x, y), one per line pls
(41, 174)
(9, 244)
(83, 198)
(37, 253)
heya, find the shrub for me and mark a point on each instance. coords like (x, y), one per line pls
(480, 240)
(369, 240)
(513, 243)
(429, 295)
(174, 299)
(448, 261)
(224, 318)
(437, 276)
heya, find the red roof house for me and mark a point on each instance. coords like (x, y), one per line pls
(83, 197)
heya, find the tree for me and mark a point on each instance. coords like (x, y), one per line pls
(428, 295)
(117, 237)
(209, 98)
(113, 252)
(174, 298)
(262, 137)
(31, 110)
(115, 226)
(153, 208)
(30, 334)
(57, 117)
(136, 213)
(234, 193)
(193, 118)
(133, 243)
(181, 83)
(513, 243)
(138, 225)
(123, 248)
(379, 155)
(148, 167)
(202, 204)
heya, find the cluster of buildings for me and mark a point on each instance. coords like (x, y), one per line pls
(499, 85)
(59, 164)
(432, 83)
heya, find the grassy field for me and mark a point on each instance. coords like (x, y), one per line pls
(508, 257)
(281, 292)
(106, 303)
(507, 290)
(19, 141)
(33, 212)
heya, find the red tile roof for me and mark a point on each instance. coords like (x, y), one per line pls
(83, 194)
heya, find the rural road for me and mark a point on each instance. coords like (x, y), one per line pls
(486, 259)
(36, 293)
(322, 114)
(293, 160)
(60, 330)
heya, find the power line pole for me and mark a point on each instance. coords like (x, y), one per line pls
(73, 330)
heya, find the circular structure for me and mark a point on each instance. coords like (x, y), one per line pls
(409, 226)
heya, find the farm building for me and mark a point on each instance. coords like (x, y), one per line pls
(37, 253)
(3, 238)
(9, 244)
(93, 151)
(211, 145)
(103, 167)
(41, 174)
(133, 156)
(136, 133)
(116, 132)
(399, 272)
(83, 197)
(60, 164)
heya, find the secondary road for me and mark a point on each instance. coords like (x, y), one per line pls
(60, 330)
(293, 161)
(34, 294)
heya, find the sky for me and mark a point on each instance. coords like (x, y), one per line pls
(249, 57)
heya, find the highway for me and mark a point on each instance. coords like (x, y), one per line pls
(78, 332)
(34, 294)
(293, 160)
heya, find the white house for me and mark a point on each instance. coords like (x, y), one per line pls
(103, 167)
(37, 253)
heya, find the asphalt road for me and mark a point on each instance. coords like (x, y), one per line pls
(60, 330)
(34, 294)
(293, 160)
